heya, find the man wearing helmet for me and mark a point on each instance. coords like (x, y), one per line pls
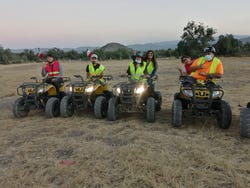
(208, 66)
(52, 71)
(136, 67)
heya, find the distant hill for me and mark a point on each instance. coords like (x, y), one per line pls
(111, 47)
(245, 40)
(155, 46)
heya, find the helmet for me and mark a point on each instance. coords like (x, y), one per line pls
(94, 56)
(209, 49)
(138, 54)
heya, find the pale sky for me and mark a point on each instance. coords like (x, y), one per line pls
(75, 23)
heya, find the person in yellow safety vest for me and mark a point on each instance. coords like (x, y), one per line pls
(151, 67)
(207, 67)
(136, 67)
(53, 72)
(94, 68)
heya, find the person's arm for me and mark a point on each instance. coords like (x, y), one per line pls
(87, 71)
(128, 71)
(43, 72)
(155, 70)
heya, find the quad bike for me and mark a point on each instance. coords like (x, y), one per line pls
(135, 96)
(38, 94)
(90, 94)
(201, 99)
(245, 121)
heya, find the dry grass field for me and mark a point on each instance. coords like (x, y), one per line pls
(128, 152)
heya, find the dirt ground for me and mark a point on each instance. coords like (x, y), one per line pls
(128, 152)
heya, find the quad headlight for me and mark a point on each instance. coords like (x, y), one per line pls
(68, 89)
(188, 92)
(41, 90)
(217, 94)
(139, 90)
(89, 89)
(117, 91)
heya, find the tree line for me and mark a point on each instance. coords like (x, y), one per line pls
(195, 37)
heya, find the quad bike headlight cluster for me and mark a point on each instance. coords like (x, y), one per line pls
(68, 89)
(117, 91)
(188, 92)
(217, 94)
(89, 89)
(41, 90)
(140, 89)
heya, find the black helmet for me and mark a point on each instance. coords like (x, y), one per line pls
(209, 49)
(138, 54)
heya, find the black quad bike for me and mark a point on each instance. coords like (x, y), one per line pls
(201, 99)
(245, 121)
(135, 96)
(38, 94)
(86, 94)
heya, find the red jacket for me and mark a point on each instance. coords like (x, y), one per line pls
(52, 69)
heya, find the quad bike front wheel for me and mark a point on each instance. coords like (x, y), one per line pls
(177, 113)
(19, 109)
(100, 107)
(159, 101)
(150, 109)
(224, 117)
(66, 106)
(112, 110)
(245, 122)
(52, 107)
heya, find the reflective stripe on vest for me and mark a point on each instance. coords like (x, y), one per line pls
(52, 69)
(135, 74)
(150, 67)
(213, 66)
(94, 71)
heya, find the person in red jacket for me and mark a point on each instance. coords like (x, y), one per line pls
(52, 71)
(187, 62)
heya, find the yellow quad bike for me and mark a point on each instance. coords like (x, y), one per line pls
(135, 96)
(38, 94)
(83, 94)
(245, 121)
(201, 99)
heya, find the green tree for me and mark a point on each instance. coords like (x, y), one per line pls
(227, 45)
(195, 38)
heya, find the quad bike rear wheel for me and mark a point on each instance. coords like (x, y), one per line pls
(100, 107)
(66, 106)
(52, 107)
(177, 113)
(150, 109)
(19, 109)
(245, 122)
(224, 116)
(112, 110)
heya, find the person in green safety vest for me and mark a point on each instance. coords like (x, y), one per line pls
(151, 68)
(136, 67)
(94, 68)
(207, 66)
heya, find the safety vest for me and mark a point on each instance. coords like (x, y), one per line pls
(52, 69)
(94, 71)
(150, 67)
(135, 74)
(213, 67)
